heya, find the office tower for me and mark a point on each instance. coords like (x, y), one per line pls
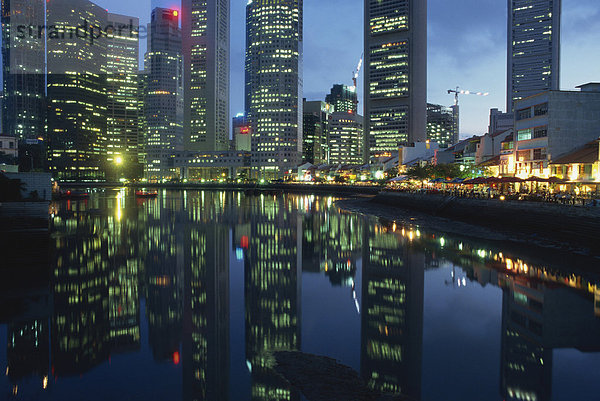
(533, 48)
(392, 314)
(76, 91)
(163, 99)
(395, 74)
(205, 28)
(122, 93)
(272, 266)
(315, 132)
(345, 138)
(343, 98)
(142, 126)
(23, 69)
(274, 85)
(442, 124)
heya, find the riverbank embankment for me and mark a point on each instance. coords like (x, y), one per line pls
(576, 227)
(320, 189)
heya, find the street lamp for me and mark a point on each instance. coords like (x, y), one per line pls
(118, 160)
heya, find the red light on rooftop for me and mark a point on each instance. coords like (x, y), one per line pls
(175, 13)
(244, 130)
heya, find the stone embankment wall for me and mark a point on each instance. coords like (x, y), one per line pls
(573, 225)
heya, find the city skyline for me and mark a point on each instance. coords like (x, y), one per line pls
(477, 52)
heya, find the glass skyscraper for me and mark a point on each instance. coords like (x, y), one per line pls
(205, 28)
(533, 48)
(274, 84)
(23, 68)
(442, 124)
(343, 98)
(122, 90)
(77, 99)
(395, 74)
(163, 94)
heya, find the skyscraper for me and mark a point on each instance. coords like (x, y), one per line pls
(122, 90)
(395, 74)
(23, 68)
(274, 84)
(76, 90)
(533, 48)
(164, 94)
(205, 28)
(314, 136)
(345, 138)
(343, 98)
(442, 124)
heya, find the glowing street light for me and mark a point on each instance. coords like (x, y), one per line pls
(118, 160)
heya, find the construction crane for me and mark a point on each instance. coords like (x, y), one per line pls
(355, 75)
(459, 91)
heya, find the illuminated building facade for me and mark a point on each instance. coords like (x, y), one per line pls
(343, 98)
(392, 313)
(273, 289)
(395, 74)
(122, 93)
(533, 48)
(274, 84)
(550, 125)
(76, 96)
(315, 132)
(442, 124)
(345, 138)
(163, 99)
(23, 70)
(205, 27)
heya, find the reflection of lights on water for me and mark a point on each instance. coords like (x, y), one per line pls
(239, 254)
(15, 389)
(45, 382)
(176, 357)
(7, 371)
(249, 366)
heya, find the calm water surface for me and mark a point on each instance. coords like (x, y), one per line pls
(179, 297)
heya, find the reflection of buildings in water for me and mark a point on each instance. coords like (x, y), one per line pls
(123, 291)
(330, 240)
(537, 318)
(206, 312)
(164, 269)
(28, 351)
(272, 292)
(80, 326)
(392, 313)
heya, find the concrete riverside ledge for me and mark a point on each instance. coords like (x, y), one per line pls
(24, 215)
(576, 226)
(325, 189)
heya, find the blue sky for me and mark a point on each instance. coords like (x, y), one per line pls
(467, 48)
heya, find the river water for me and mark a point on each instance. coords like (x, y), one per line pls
(181, 298)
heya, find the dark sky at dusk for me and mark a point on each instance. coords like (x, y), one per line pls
(467, 47)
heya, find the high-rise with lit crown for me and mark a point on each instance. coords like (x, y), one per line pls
(533, 48)
(274, 84)
(395, 74)
(163, 94)
(205, 28)
(23, 67)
